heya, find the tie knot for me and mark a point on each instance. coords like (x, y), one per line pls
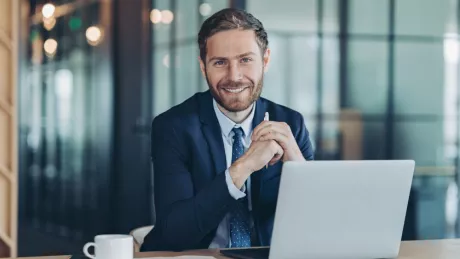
(238, 132)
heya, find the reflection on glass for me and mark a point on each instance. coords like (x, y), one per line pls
(451, 56)
(48, 10)
(167, 16)
(155, 16)
(451, 52)
(205, 9)
(49, 23)
(451, 209)
(63, 91)
(50, 47)
(60, 108)
(94, 35)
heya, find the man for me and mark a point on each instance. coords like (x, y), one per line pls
(217, 163)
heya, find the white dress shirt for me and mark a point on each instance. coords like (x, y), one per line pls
(222, 238)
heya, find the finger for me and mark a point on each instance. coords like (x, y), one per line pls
(262, 131)
(280, 138)
(276, 149)
(278, 155)
(262, 125)
(275, 159)
(273, 130)
(271, 127)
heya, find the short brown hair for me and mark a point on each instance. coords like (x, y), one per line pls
(230, 19)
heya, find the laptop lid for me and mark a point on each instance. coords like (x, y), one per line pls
(341, 209)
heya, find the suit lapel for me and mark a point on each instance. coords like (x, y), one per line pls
(212, 132)
(259, 113)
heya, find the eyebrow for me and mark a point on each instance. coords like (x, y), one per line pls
(236, 57)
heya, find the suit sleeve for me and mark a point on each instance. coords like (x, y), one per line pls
(184, 217)
(303, 140)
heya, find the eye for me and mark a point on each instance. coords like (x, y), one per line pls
(246, 60)
(219, 63)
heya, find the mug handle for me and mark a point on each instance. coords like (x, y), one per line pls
(85, 250)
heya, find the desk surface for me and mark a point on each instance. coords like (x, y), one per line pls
(430, 249)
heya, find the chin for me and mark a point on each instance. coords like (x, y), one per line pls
(236, 106)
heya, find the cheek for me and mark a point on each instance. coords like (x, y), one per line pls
(253, 73)
(215, 76)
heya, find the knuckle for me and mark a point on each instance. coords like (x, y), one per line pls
(274, 146)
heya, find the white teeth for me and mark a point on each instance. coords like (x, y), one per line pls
(234, 90)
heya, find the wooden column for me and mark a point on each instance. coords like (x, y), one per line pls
(9, 15)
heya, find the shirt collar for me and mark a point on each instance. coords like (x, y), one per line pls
(226, 125)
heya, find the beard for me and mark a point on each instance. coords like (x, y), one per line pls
(236, 103)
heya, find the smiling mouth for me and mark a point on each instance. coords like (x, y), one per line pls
(235, 90)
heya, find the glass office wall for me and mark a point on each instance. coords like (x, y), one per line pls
(65, 120)
(374, 79)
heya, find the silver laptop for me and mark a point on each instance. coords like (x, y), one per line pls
(341, 209)
(338, 209)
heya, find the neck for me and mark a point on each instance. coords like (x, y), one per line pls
(236, 117)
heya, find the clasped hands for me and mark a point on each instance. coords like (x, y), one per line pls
(271, 141)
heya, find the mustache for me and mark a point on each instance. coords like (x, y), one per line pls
(234, 84)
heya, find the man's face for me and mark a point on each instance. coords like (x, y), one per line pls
(234, 68)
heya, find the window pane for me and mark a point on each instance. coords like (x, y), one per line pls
(425, 17)
(275, 88)
(419, 78)
(291, 78)
(162, 31)
(431, 207)
(303, 73)
(330, 16)
(367, 76)
(330, 81)
(187, 19)
(368, 16)
(287, 15)
(161, 81)
(419, 140)
(374, 139)
(186, 72)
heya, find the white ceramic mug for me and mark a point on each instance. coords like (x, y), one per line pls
(111, 247)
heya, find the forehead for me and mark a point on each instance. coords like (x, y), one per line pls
(232, 43)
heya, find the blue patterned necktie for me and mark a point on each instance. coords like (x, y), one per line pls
(240, 232)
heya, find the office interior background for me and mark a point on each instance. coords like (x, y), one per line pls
(374, 79)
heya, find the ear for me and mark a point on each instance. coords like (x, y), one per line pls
(266, 59)
(202, 67)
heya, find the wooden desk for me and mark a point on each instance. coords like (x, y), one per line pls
(431, 249)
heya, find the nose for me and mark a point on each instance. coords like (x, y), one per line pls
(234, 72)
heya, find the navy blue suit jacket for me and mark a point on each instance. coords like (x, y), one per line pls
(191, 195)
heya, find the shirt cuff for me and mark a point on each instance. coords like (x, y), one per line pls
(232, 189)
